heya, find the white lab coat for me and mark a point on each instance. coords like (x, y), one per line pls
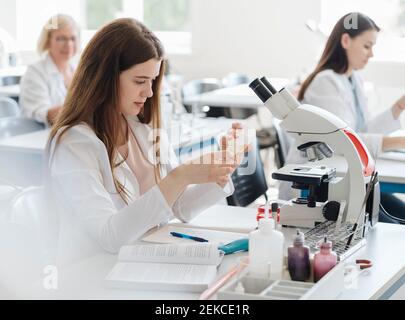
(93, 215)
(42, 88)
(333, 92)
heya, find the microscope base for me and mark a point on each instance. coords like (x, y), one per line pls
(300, 215)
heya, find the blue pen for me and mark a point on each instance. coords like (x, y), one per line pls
(186, 236)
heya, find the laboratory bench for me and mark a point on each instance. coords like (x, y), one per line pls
(384, 280)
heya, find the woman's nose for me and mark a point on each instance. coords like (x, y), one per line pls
(148, 92)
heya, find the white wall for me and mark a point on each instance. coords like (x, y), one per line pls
(256, 37)
(251, 36)
(8, 13)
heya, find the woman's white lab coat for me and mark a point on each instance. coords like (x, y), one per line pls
(93, 215)
(42, 88)
(333, 92)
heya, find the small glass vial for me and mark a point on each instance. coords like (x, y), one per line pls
(299, 265)
(324, 260)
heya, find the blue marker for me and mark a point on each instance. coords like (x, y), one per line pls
(186, 236)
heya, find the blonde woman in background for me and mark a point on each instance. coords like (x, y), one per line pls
(45, 84)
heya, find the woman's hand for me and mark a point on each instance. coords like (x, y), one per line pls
(214, 167)
(398, 107)
(206, 169)
(234, 145)
(53, 114)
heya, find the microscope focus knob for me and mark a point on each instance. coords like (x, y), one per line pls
(331, 210)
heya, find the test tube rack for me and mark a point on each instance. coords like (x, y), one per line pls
(339, 235)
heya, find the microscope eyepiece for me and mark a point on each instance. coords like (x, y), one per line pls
(268, 85)
(261, 90)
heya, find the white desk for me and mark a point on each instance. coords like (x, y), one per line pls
(10, 91)
(85, 280)
(234, 97)
(13, 71)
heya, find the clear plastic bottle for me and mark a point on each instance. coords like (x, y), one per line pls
(324, 260)
(299, 265)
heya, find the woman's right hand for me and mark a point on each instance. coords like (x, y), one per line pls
(210, 168)
(215, 167)
(398, 107)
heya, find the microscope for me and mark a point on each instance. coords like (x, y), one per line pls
(321, 134)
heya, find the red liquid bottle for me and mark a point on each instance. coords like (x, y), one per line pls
(324, 260)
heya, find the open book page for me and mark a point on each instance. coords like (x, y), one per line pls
(224, 218)
(195, 253)
(155, 276)
(213, 236)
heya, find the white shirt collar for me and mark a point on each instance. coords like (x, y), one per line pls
(51, 67)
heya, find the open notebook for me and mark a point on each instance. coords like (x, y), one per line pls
(174, 267)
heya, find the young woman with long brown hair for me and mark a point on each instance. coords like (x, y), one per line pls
(110, 166)
(336, 86)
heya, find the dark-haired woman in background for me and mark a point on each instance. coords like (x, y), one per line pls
(336, 86)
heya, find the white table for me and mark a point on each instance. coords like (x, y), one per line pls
(13, 71)
(12, 91)
(85, 280)
(240, 96)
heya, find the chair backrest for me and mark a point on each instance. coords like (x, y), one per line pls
(234, 79)
(10, 127)
(282, 146)
(199, 86)
(10, 80)
(9, 108)
(29, 235)
(249, 187)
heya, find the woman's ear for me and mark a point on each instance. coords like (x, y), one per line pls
(345, 40)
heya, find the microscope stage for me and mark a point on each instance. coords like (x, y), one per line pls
(304, 174)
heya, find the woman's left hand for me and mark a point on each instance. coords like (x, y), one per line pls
(398, 107)
(233, 149)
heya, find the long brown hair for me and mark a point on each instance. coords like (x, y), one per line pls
(93, 97)
(334, 55)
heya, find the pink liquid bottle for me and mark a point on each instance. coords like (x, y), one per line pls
(324, 260)
(299, 266)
